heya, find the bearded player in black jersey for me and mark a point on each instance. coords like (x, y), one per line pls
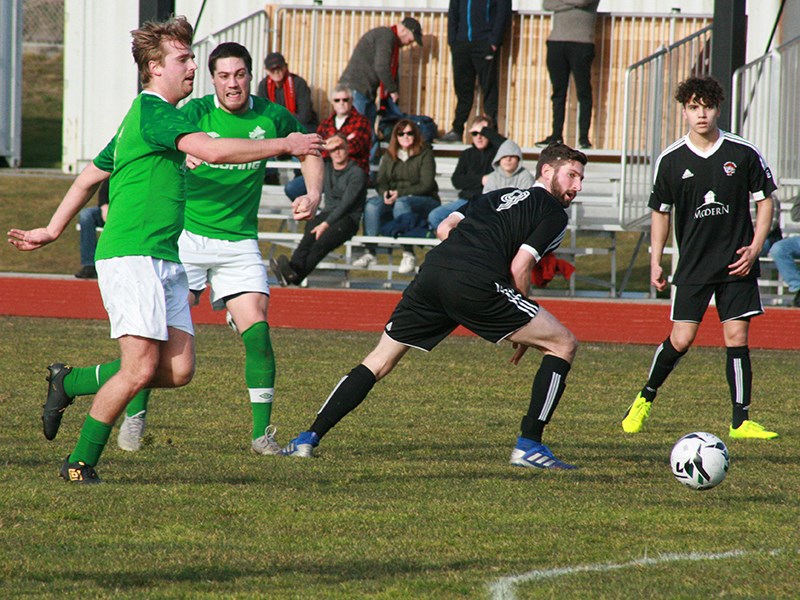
(708, 178)
(477, 278)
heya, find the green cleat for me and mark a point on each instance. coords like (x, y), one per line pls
(751, 430)
(637, 414)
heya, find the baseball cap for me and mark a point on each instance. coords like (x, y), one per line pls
(414, 27)
(274, 60)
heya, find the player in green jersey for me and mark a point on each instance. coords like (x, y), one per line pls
(143, 284)
(219, 245)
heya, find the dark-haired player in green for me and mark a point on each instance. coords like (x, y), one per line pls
(709, 178)
(143, 284)
(219, 244)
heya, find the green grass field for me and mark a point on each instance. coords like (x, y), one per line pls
(411, 496)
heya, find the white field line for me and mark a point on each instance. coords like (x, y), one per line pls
(503, 588)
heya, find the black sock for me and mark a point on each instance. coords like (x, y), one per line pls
(740, 381)
(548, 386)
(665, 360)
(344, 398)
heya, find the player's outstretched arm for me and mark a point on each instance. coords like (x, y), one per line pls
(235, 151)
(79, 193)
(659, 230)
(313, 170)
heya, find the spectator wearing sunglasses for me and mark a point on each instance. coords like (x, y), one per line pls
(406, 184)
(473, 167)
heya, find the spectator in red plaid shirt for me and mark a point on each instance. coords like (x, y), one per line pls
(347, 122)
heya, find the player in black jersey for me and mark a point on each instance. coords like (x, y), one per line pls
(708, 178)
(477, 278)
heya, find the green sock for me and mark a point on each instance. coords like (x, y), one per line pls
(93, 438)
(259, 374)
(82, 381)
(138, 403)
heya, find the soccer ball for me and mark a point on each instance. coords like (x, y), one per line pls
(699, 460)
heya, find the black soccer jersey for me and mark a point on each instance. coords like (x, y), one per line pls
(497, 225)
(710, 193)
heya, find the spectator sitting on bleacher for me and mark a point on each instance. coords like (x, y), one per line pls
(785, 252)
(90, 219)
(508, 170)
(344, 191)
(289, 90)
(406, 183)
(472, 169)
(345, 121)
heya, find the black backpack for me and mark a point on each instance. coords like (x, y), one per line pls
(391, 114)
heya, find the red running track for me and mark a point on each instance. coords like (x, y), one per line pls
(616, 321)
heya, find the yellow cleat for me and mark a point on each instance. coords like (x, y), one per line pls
(637, 414)
(751, 430)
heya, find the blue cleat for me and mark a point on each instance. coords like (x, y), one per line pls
(528, 453)
(302, 446)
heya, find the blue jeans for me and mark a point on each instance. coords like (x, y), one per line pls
(295, 188)
(440, 213)
(89, 218)
(368, 108)
(784, 253)
(377, 213)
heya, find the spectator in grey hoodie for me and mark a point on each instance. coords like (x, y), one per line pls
(508, 170)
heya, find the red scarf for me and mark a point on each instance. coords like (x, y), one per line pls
(394, 64)
(288, 92)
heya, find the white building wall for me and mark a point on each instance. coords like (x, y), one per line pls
(100, 78)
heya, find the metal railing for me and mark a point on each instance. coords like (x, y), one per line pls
(766, 97)
(652, 118)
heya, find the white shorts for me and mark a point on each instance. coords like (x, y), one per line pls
(144, 295)
(230, 268)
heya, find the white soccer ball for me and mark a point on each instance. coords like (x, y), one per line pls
(699, 460)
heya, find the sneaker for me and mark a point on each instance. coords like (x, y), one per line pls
(585, 144)
(364, 261)
(131, 432)
(287, 271)
(78, 472)
(276, 270)
(451, 137)
(302, 446)
(529, 453)
(266, 444)
(751, 430)
(550, 139)
(231, 323)
(87, 272)
(408, 263)
(637, 415)
(57, 399)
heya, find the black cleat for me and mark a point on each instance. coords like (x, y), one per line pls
(78, 472)
(550, 139)
(276, 270)
(57, 399)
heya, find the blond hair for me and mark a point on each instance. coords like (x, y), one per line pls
(147, 44)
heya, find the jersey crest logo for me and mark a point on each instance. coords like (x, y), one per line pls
(729, 168)
(257, 133)
(710, 207)
(686, 174)
(512, 198)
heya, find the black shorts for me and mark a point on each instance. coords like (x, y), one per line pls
(734, 300)
(438, 300)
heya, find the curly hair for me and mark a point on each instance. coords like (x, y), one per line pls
(705, 89)
(557, 154)
(394, 145)
(148, 39)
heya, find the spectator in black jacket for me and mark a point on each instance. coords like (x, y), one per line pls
(289, 90)
(475, 30)
(473, 168)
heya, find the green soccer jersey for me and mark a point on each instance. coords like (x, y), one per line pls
(222, 200)
(146, 189)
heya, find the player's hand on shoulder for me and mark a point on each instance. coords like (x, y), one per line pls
(32, 239)
(303, 144)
